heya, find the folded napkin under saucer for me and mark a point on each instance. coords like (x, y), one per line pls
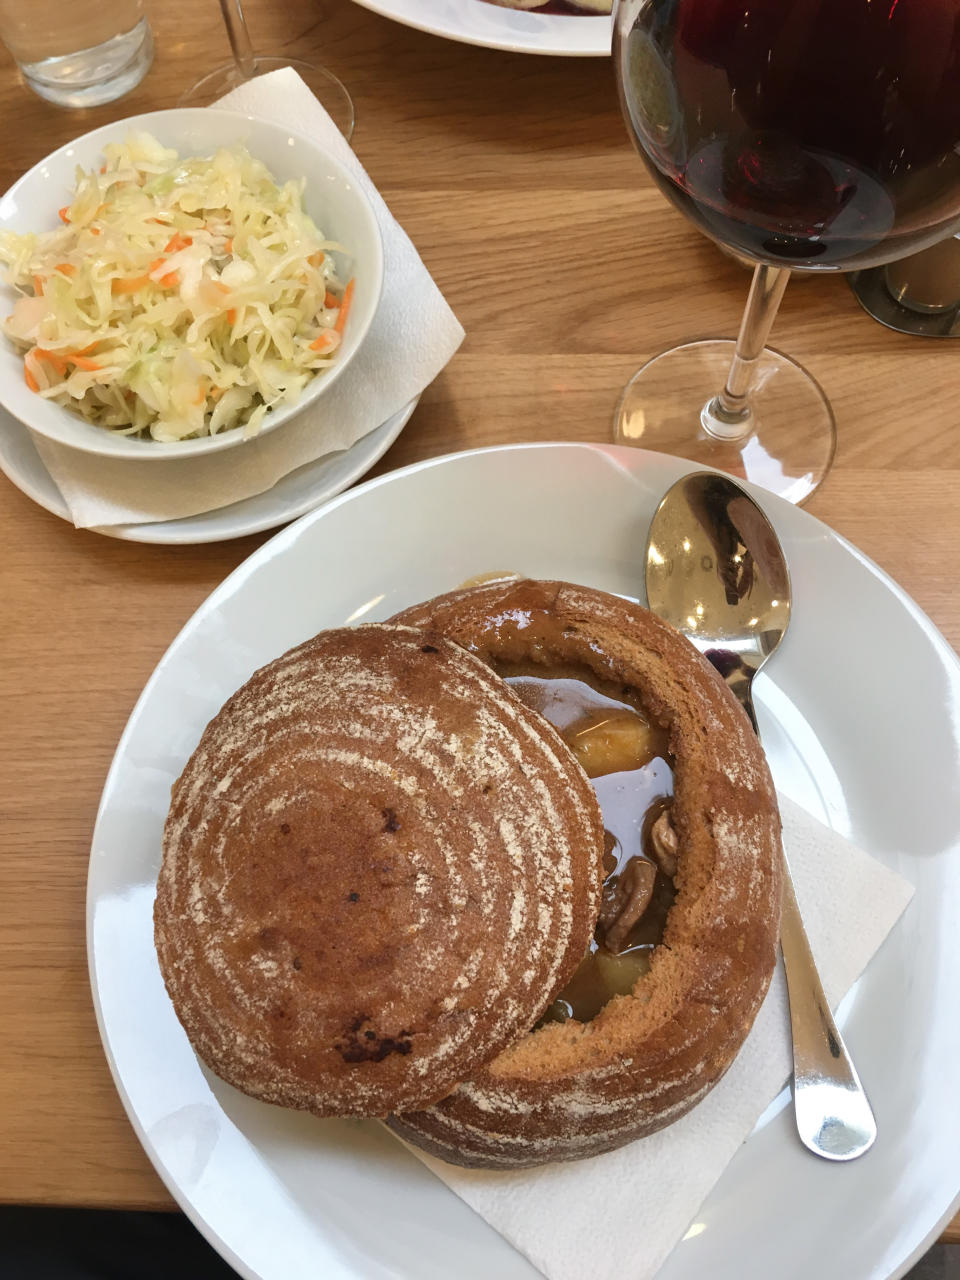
(413, 335)
(646, 1194)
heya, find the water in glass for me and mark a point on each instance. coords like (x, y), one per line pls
(80, 54)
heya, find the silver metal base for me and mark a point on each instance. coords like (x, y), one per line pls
(872, 292)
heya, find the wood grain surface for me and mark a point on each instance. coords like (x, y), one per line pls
(471, 148)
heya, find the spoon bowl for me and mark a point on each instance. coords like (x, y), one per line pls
(717, 573)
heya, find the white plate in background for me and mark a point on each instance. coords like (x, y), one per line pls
(477, 22)
(860, 714)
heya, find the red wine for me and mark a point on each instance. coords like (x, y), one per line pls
(808, 133)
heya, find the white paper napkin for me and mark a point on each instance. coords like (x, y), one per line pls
(413, 336)
(648, 1193)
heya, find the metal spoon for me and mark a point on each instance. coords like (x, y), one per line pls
(716, 572)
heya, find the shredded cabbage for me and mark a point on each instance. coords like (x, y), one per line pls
(180, 298)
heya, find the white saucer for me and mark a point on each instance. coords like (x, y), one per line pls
(295, 494)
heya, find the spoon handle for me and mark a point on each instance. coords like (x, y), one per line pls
(834, 1117)
(833, 1114)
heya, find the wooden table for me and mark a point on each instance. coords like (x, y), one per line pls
(470, 147)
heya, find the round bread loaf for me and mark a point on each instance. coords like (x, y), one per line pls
(577, 1089)
(378, 867)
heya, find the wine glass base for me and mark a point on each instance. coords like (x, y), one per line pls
(792, 436)
(326, 88)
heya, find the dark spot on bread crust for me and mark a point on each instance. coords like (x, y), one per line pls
(372, 1048)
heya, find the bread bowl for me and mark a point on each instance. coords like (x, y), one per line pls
(574, 1089)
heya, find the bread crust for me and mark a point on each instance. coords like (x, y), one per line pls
(571, 1090)
(377, 870)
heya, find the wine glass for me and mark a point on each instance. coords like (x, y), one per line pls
(804, 136)
(328, 90)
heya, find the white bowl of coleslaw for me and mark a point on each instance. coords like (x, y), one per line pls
(205, 278)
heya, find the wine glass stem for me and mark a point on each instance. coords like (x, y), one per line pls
(239, 36)
(727, 415)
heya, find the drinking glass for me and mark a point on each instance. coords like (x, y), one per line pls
(328, 90)
(80, 54)
(804, 135)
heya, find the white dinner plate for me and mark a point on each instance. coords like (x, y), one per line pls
(477, 22)
(293, 495)
(860, 715)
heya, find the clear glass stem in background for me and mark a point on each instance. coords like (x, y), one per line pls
(236, 25)
(727, 416)
(246, 65)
